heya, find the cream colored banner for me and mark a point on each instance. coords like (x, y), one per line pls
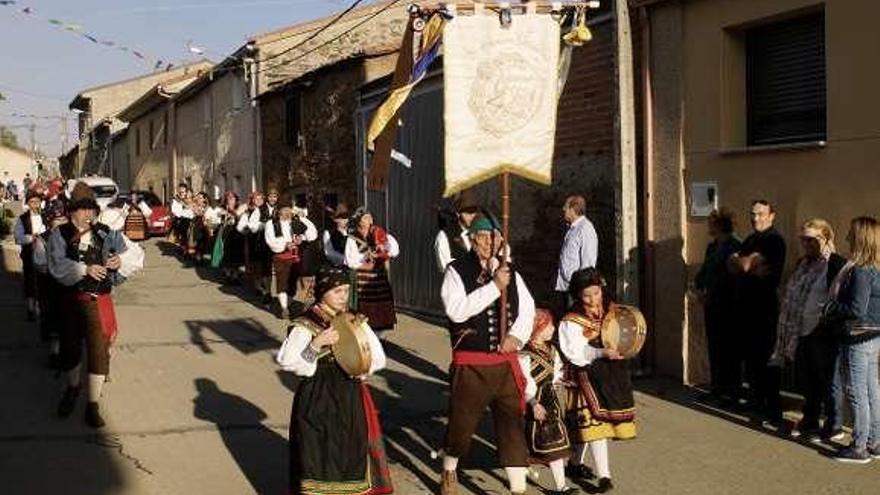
(500, 97)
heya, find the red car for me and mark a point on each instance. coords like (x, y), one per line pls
(159, 223)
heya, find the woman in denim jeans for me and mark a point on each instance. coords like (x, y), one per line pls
(858, 306)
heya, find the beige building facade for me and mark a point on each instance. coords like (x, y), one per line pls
(757, 99)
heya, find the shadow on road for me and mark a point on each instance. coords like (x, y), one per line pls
(245, 334)
(260, 452)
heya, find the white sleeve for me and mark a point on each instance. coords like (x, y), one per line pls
(574, 346)
(64, 269)
(353, 257)
(525, 320)
(18, 233)
(525, 363)
(392, 247)
(145, 209)
(311, 231)
(332, 254)
(243, 223)
(254, 221)
(132, 258)
(276, 244)
(558, 370)
(461, 306)
(290, 358)
(377, 352)
(40, 256)
(441, 249)
(176, 208)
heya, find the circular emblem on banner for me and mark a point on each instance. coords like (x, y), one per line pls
(507, 92)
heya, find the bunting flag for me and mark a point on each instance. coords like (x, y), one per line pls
(79, 30)
(500, 93)
(420, 47)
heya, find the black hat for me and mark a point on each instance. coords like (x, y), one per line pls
(583, 278)
(32, 193)
(82, 198)
(330, 277)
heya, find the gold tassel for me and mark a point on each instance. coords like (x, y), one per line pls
(579, 34)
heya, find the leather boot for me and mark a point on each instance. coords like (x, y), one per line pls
(93, 415)
(449, 483)
(68, 401)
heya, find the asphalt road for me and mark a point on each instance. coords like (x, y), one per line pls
(196, 405)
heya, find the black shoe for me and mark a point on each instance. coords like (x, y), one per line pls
(93, 415)
(579, 472)
(852, 456)
(68, 402)
(605, 485)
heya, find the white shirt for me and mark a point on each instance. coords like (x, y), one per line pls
(37, 228)
(574, 346)
(290, 357)
(278, 244)
(354, 258)
(444, 252)
(461, 306)
(253, 223)
(180, 210)
(332, 254)
(580, 249)
(68, 272)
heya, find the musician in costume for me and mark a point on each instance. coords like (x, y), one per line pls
(199, 235)
(258, 257)
(336, 237)
(181, 214)
(228, 252)
(546, 433)
(88, 259)
(369, 250)
(336, 443)
(600, 397)
(27, 227)
(453, 240)
(284, 235)
(311, 257)
(49, 291)
(485, 371)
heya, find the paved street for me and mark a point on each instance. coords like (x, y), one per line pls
(197, 406)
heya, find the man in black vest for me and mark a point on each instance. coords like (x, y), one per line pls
(485, 371)
(88, 259)
(28, 226)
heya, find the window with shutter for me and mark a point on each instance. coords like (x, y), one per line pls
(785, 81)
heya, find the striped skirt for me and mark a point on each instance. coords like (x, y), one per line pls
(375, 298)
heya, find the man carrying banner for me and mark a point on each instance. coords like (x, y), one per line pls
(485, 371)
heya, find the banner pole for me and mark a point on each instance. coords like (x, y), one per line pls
(505, 230)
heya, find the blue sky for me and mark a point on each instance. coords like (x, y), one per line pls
(42, 66)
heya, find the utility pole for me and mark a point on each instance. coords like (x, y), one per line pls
(63, 134)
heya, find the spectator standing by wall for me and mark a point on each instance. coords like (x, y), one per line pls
(580, 247)
(715, 287)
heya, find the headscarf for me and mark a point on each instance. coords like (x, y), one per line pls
(330, 277)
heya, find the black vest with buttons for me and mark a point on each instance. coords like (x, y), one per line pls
(91, 256)
(481, 332)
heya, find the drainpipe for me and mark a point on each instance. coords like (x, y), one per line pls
(648, 302)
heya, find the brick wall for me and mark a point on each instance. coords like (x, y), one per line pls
(324, 163)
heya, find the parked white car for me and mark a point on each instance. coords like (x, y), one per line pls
(104, 188)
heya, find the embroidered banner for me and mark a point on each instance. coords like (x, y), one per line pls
(500, 95)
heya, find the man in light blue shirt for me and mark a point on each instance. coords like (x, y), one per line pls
(580, 248)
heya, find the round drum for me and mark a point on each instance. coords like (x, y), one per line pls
(352, 351)
(624, 330)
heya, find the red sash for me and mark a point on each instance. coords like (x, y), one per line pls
(380, 474)
(106, 313)
(473, 358)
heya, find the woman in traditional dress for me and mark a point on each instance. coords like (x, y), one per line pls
(229, 244)
(546, 433)
(258, 255)
(335, 238)
(369, 250)
(600, 398)
(336, 443)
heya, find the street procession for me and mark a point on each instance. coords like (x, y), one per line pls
(453, 248)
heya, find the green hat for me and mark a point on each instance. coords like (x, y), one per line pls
(483, 224)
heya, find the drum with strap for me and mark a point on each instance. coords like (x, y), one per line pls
(352, 351)
(624, 329)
